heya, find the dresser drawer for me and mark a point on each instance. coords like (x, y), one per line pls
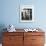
(34, 33)
(13, 33)
(13, 44)
(37, 44)
(37, 39)
(12, 39)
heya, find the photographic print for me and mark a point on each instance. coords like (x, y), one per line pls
(26, 13)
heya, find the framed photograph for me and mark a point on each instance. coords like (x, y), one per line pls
(26, 13)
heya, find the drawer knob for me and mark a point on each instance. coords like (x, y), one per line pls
(33, 39)
(11, 38)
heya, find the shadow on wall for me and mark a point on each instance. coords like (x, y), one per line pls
(2, 26)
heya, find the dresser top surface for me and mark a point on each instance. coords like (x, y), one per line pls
(22, 30)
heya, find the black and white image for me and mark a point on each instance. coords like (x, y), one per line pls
(26, 14)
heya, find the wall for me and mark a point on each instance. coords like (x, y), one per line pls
(10, 13)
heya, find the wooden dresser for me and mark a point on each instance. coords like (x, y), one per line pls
(23, 38)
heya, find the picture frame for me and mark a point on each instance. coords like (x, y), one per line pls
(27, 13)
